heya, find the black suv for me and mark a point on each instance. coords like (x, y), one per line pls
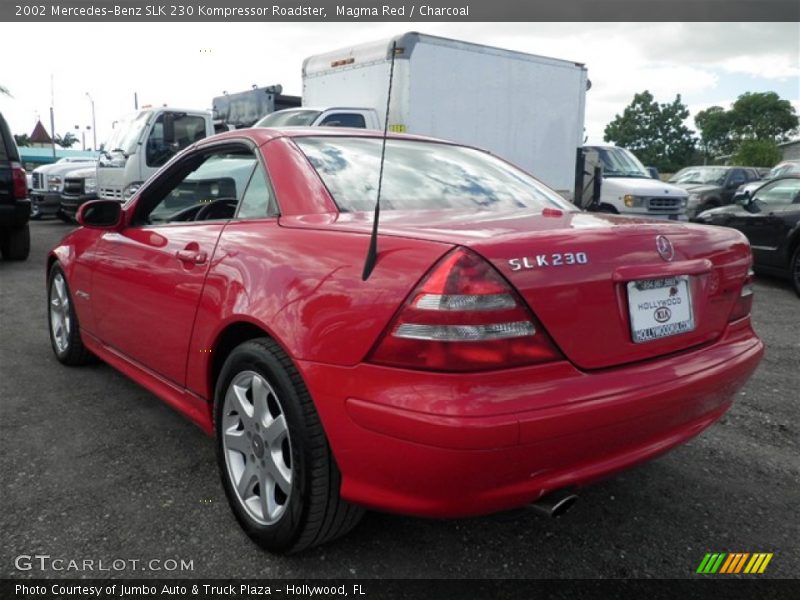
(15, 207)
(712, 186)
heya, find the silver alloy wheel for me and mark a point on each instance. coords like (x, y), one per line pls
(257, 448)
(60, 321)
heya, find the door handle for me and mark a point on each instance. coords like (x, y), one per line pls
(195, 257)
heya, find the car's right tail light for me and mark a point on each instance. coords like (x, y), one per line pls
(18, 177)
(463, 316)
(744, 303)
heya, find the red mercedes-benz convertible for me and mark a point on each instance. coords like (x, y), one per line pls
(506, 349)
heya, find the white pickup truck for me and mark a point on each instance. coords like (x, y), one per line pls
(332, 116)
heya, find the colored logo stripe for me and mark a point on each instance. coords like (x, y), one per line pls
(758, 563)
(734, 562)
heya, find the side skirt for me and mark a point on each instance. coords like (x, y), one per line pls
(197, 409)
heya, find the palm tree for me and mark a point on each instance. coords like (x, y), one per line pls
(4, 91)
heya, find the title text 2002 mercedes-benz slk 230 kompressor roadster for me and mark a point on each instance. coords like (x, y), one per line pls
(505, 348)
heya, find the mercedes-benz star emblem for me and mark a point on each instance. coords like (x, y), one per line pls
(664, 247)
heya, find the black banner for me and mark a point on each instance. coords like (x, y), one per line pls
(400, 10)
(390, 589)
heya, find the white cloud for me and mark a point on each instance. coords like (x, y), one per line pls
(768, 66)
(622, 58)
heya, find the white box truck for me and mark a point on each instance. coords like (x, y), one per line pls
(525, 108)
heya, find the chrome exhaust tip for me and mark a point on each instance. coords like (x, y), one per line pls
(554, 504)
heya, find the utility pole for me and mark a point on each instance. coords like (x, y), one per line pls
(94, 125)
(52, 116)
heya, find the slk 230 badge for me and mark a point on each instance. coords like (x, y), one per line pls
(548, 260)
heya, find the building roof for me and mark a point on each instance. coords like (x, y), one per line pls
(39, 135)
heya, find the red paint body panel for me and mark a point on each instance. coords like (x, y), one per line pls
(422, 442)
(527, 433)
(305, 289)
(150, 296)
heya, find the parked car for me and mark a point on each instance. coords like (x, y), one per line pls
(506, 349)
(48, 183)
(80, 186)
(787, 167)
(770, 218)
(15, 207)
(712, 186)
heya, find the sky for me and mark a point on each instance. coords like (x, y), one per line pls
(187, 64)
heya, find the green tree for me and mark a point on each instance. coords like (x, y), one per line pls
(763, 116)
(714, 125)
(757, 153)
(22, 139)
(654, 132)
(67, 141)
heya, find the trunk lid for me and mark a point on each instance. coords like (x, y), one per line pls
(573, 270)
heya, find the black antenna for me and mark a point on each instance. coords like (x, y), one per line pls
(372, 253)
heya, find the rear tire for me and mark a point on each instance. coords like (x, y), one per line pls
(65, 332)
(65, 217)
(277, 469)
(794, 270)
(16, 243)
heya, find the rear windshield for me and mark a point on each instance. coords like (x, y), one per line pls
(8, 149)
(420, 175)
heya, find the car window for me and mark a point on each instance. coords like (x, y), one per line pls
(259, 200)
(700, 175)
(187, 129)
(211, 191)
(420, 175)
(736, 177)
(8, 148)
(344, 120)
(784, 191)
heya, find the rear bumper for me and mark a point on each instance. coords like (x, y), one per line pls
(458, 445)
(14, 215)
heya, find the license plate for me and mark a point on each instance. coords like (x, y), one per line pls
(659, 308)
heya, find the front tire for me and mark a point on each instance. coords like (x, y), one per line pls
(794, 270)
(277, 469)
(65, 332)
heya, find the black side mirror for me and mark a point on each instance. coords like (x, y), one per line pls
(100, 214)
(743, 199)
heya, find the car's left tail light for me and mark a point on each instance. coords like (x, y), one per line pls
(744, 303)
(18, 177)
(463, 316)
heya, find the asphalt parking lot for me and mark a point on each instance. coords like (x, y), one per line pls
(94, 467)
